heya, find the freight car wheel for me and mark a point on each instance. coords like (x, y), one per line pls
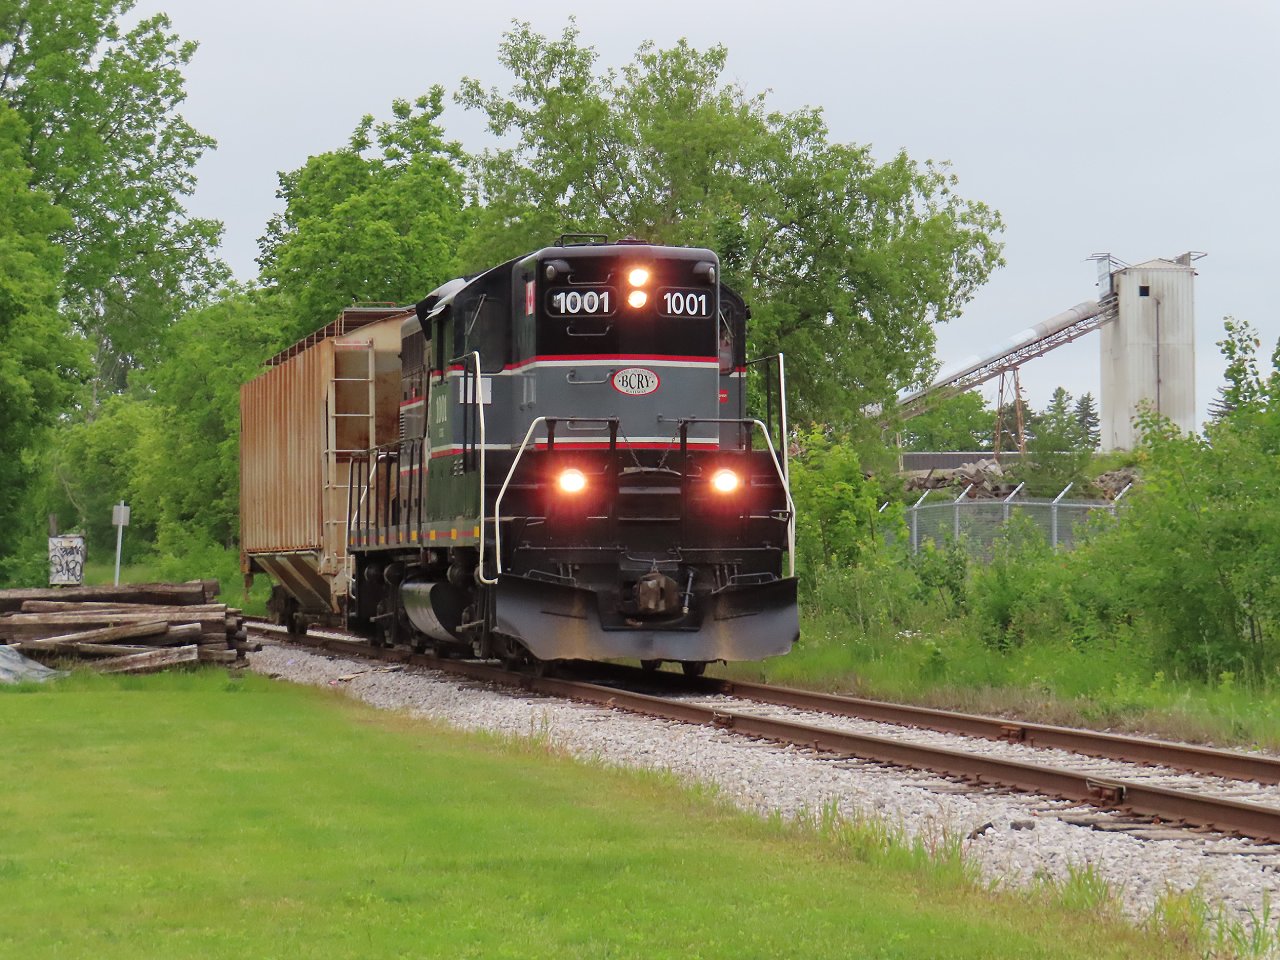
(693, 668)
(296, 625)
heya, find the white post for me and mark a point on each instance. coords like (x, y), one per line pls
(915, 523)
(1054, 512)
(1009, 499)
(119, 517)
(956, 503)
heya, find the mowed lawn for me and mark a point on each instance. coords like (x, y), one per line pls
(201, 816)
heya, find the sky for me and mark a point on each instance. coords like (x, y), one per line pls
(1142, 129)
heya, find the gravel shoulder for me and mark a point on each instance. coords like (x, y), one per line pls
(1014, 839)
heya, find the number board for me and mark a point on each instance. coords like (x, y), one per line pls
(694, 304)
(581, 302)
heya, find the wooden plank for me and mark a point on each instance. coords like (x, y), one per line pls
(154, 628)
(150, 661)
(100, 649)
(94, 606)
(167, 593)
(210, 655)
(24, 625)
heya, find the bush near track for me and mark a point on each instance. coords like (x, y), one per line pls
(200, 816)
(1167, 619)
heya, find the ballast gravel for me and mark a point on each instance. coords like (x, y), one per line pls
(1013, 838)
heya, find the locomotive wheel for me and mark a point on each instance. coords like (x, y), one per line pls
(650, 665)
(693, 668)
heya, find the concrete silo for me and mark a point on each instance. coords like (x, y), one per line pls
(1148, 351)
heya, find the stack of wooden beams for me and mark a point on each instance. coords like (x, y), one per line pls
(131, 628)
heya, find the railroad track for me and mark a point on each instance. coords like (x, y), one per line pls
(1133, 796)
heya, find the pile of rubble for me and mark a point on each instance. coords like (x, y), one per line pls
(135, 628)
(985, 480)
(1114, 482)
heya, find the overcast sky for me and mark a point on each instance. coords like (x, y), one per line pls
(1140, 128)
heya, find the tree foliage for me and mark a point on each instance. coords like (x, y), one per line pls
(1191, 565)
(847, 262)
(171, 444)
(38, 357)
(1087, 420)
(378, 220)
(837, 504)
(106, 143)
(962, 422)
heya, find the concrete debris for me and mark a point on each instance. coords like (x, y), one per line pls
(986, 477)
(1112, 483)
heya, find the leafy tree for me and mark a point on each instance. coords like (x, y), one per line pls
(106, 143)
(961, 422)
(847, 262)
(837, 503)
(38, 358)
(1087, 420)
(1192, 564)
(1242, 384)
(378, 220)
(1057, 417)
(94, 464)
(189, 472)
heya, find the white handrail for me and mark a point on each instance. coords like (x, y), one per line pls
(497, 504)
(477, 397)
(784, 439)
(497, 507)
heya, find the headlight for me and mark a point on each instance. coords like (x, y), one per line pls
(572, 480)
(725, 481)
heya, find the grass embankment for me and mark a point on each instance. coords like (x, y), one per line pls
(200, 816)
(1106, 683)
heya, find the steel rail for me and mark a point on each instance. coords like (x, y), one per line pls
(1191, 758)
(1231, 816)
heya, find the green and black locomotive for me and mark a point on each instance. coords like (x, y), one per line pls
(576, 475)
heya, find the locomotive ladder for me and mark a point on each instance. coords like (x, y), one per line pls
(350, 430)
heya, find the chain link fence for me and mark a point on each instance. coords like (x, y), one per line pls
(976, 523)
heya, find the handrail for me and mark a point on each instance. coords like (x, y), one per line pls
(782, 405)
(497, 503)
(497, 508)
(777, 465)
(477, 398)
(524, 444)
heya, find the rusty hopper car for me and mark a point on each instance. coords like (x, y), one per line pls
(322, 401)
(576, 474)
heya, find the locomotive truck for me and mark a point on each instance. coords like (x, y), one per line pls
(548, 460)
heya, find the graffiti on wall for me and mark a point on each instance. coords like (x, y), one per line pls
(66, 561)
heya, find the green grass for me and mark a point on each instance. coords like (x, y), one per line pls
(194, 815)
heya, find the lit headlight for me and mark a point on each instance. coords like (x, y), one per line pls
(725, 481)
(638, 277)
(572, 480)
